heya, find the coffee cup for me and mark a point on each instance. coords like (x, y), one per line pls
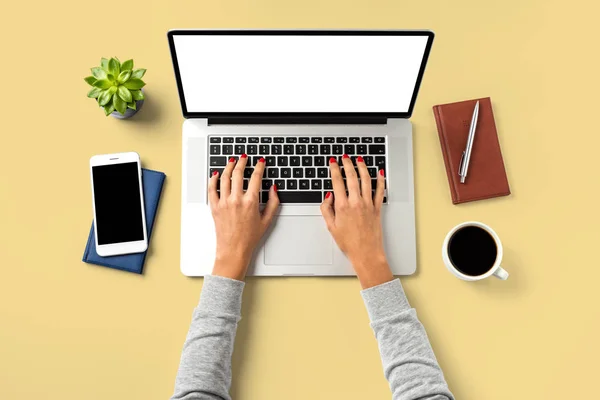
(473, 251)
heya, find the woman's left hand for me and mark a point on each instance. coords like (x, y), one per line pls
(239, 224)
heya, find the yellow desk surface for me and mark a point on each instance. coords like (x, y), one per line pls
(73, 331)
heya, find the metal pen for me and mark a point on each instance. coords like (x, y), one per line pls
(466, 155)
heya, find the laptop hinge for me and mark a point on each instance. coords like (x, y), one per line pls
(296, 120)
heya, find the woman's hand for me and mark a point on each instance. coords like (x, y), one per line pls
(354, 220)
(238, 222)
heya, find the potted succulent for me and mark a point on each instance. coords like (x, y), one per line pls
(117, 87)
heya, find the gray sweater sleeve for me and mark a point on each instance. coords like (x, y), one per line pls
(408, 361)
(409, 364)
(205, 366)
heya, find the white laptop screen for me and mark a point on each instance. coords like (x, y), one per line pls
(298, 72)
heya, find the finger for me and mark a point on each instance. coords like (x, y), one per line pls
(327, 210)
(351, 177)
(213, 196)
(336, 180)
(271, 207)
(226, 178)
(365, 180)
(237, 176)
(379, 192)
(256, 179)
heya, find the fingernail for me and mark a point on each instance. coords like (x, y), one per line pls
(381, 172)
(215, 173)
(275, 187)
(332, 160)
(345, 156)
(262, 159)
(360, 159)
(232, 159)
(328, 195)
(244, 155)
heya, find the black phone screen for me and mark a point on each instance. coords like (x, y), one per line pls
(118, 203)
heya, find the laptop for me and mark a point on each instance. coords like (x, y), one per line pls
(297, 98)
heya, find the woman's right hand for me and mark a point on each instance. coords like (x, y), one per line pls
(354, 220)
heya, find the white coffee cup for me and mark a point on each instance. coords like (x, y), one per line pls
(495, 270)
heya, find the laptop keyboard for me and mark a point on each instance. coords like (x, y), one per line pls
(298, 165)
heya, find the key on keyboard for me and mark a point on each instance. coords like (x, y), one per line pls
(298, 165)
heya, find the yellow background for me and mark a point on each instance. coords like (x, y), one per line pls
(73, 331)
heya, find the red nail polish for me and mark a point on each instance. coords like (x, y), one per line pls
(244, 155)
(328, 195)
(275, 187)
(345, 156)
(232, 159)
(215, 173)
(262, 159)
(360, 159)
(332, 160)
(381, 172)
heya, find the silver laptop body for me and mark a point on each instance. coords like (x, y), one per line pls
(298, 243)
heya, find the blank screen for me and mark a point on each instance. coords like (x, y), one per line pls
(289, 73)
(118, 203)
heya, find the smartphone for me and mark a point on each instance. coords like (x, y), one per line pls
(118, 201)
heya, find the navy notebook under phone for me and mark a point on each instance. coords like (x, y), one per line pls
(152, 182)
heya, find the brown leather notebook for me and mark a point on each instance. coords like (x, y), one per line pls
(486, 177)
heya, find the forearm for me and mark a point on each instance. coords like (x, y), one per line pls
(205, 367)
(408, 361)
(373, 270)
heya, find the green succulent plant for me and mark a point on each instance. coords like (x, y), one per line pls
(115, 85)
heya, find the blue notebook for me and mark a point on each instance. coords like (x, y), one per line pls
(152, 182)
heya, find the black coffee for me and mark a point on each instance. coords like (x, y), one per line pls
(472, 250)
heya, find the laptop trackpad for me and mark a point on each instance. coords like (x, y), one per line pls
(299, 240)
